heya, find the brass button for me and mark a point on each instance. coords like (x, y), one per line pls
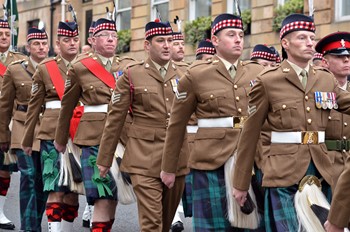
(284, 106)
(240, 110)
(111, 89)
(22, 84)
(91, 87)
(306, 98)
(344, 137)
(165, 85)
(344, 150)
(235, 87)
(329, 117)
(237, 98)
(53, 87)
(309, 121)
(145, 90)
(211, 95)
(345, 124)
(166, 99)
(308, 109)
(168, 114)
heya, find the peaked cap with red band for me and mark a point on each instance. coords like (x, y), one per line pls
(337, 43)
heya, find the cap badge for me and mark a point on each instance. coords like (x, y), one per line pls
(342, 42)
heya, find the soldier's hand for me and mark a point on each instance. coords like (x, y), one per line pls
(168, 178)
(332, 228)
(240, 196)
(27, 150)
(59, 147)
(103, 170)
(4, 147)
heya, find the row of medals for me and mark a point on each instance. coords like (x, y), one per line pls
(326, 100)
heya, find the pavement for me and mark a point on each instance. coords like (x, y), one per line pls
(126, 215)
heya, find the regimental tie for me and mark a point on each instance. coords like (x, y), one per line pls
(232, 71)
(303, 75)
(162, 71)
(3, 57)
(108, 65)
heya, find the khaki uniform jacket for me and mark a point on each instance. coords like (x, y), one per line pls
(208, 90)
(11, 57)
(16, 91)
(339, 213)
(279, 97)
(338, 128)
(43, 91)
(151, 105)
(84, 86)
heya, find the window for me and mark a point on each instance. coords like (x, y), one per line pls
(123, 14)
(243, 5)
(201, 8)
(88, 20)
(342, 10)
(163, 9)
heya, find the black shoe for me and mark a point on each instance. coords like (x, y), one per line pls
(177, 227)
(7, 226)
(86, 223)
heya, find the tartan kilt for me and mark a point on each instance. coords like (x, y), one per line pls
(209, 201)
(92, 180)
(187, 195)
(3, 167)
(47, 146)
(280, 213)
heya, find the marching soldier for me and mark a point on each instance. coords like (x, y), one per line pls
(16, 90)
(148, 87)
(48, 88)
(317, 59)
(263, 55)
(205, 50)
(220, 102)
(91, 80)
(6, 57)
(291, 97)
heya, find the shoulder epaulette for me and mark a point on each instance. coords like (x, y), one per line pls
(318, 68)
(17, 61)
(180, 63)
(267, 70)
(246, 62)
(135, 63)
(19, 53)
(47, 60)
(125, 58)
(200, 62)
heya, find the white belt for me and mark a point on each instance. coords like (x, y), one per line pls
(192, 129)
(301, 137)
(53, 104)
(96, 109)
(230, 122)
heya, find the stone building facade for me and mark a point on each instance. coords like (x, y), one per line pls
(330, 16)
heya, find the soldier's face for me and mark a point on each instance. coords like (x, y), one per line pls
(266, 63)
(5, 38)
(105, 43)
(158, 48)
(299, 45)
(207, 57)
(178, 50)
(38, 49)
(338, 65)
(229, 43)
(69, 46)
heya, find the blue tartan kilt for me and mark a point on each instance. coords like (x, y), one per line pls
(187, 195)
(3, 167)
(209, 201)
(47, 147)
(96, 187)
(280, 213)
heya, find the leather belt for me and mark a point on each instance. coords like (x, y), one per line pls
(230, 122)
(300, 137)
(96, 109)
(22, 108)
(338, 145)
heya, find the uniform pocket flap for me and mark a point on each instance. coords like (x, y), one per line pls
(20, 116)
(141, 133)
(284, 105)
(219, 93)
(145, 89)
(283, 149)
(93, 116)
(210, 134)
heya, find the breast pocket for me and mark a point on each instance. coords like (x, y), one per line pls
(24, 90)
(285, 114)
(90, 92)
(146, 96)
(212, 100)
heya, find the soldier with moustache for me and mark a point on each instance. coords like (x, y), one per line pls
(287, 97)
(91, 80)
(148, 87)
(47, 89)
(6, 57)
(217, 92)
(16, 91)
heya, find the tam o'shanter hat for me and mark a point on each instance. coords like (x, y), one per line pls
(261, 51)
(317, 56)
(4, 24)
(205, 47)
(337, 43)
(157, 28)
(91, 28)
(68, 29)
(297, 22)
(104, 24)
(223, 21)
(35, 33)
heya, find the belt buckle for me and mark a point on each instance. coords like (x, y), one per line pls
(238, 122)
(309, 137)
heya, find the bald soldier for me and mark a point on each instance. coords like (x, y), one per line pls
(148, 88)
(91, 80)
(216, 91)
(6, 57)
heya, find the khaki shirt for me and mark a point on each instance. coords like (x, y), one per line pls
(151, 107)
(279, 97)
(208, 90)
